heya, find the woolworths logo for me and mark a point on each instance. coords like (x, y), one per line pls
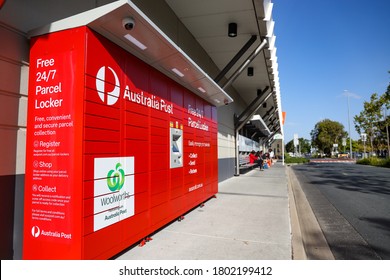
(116, 178)
(115, 181)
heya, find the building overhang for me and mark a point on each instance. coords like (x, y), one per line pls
(147, 42)
(260, 125)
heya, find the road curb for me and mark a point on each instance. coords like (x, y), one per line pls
(308, 240)
(298, 250)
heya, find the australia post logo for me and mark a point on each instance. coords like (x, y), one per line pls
(109, 89)
(113, 190)
(36, 232)
(108, 93)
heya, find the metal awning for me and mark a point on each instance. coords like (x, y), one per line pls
(260, 125)
(208, 22)
(147, 42)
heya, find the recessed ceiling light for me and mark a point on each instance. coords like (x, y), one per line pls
(135, 42)
(202, 89)
(177, 72)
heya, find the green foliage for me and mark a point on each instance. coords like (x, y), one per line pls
(289, 160)
(374, 161)
(374, 120)
(368, 118)
(326, 133)
(304, 143)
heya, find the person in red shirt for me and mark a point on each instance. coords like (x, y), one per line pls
(252, 157)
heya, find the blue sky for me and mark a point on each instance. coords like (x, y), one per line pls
(325, 47)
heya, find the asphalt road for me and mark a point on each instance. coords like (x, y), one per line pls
(352, 205)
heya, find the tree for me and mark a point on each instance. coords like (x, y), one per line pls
(303, 143)
(369, 119)
(385, 102)
(374, 120)
(326, 133)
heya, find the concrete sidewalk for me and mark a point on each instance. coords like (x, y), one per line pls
(249, 219)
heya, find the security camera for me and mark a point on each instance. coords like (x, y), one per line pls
(226, 102)
(128, 23)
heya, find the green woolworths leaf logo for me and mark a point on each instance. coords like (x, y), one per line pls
(116, 178)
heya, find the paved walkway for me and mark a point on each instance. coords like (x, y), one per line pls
(248, 220)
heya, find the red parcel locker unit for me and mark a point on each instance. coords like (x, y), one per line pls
(115, 148)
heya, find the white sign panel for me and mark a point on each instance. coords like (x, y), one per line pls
(113, 190)
(296, 140)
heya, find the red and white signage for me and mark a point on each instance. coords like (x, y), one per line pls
(115, 149)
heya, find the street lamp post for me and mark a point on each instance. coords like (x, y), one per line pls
(364, 139)
(349, 128)
(344, 140)
(387, 134)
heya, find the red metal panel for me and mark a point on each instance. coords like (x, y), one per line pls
(92, 147)
(177, 206)
(177, 95)
(99, 245)
(140, 150)
(136, 119)
(159, 84)
(159, 213)
(159, 181)
(99, 109)
(136, 133)
(102, 135)
(142, 202)
(158, 199)
(141, 184)
(95, 121)
(53, 192)
(137, 72)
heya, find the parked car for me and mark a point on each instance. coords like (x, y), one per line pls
(343, 155)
